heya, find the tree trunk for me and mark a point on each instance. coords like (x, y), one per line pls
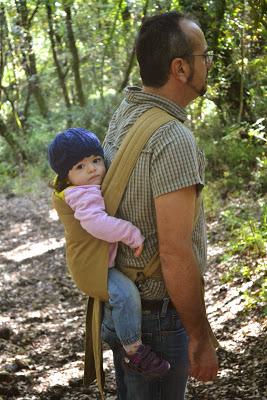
(28, 56)
(132, 57)
(12, 142)
(2, 41)
(219, 18)
(10, 91)
(128, 70)
(59, 69)
(75, 56)
(241, 93)
(107, 45)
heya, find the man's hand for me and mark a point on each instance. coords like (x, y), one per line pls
(203, 362)
(138, 250)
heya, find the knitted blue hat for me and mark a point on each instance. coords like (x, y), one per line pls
(70, 147)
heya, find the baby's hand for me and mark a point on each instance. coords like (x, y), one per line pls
(138, 250)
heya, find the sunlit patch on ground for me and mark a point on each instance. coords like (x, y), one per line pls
(59, 376)
(53, 215)
(20, 229)
(215, 251)
(30, 250)
(107, 359)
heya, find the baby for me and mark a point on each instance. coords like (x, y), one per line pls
(77, 157)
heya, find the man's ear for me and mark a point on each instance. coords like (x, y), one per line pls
(180, 69)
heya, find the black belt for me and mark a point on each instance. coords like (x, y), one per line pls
(157, 305)
(153, 305)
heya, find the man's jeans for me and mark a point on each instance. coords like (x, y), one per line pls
(163, 331)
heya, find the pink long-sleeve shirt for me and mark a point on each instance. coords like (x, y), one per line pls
(89, 208)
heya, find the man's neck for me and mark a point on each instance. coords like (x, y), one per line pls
(177, 96)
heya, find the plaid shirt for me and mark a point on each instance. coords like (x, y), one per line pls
(169, 161)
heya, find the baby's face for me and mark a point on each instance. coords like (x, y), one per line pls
(89, 171)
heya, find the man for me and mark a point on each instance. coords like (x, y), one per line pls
(161, 200)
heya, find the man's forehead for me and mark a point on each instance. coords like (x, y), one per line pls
(195, 33)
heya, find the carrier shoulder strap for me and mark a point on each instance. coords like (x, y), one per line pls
(118, 175)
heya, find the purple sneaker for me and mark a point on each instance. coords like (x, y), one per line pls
(146, 363)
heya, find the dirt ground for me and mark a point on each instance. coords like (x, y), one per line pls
(42, 318)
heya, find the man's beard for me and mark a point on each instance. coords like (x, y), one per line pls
(200, 91)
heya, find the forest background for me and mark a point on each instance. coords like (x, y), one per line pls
(66, 63)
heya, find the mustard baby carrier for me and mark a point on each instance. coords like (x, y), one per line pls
(87, 257)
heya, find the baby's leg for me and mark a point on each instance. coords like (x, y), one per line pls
(125, 301)
(126, 312)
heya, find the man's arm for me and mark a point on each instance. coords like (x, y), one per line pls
(175, 218)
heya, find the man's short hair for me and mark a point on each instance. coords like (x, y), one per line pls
(159, 41)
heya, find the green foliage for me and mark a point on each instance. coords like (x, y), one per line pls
(97, 114)
(6, 174)
(33, 179)
(246, 250)
(236, 154)
(16, 176)
(252, 238)
(212, 199)
(247, 227)
(253, 291)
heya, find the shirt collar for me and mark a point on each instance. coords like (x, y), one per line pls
(135, 94)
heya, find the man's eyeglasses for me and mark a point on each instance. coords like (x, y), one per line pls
(208, 57)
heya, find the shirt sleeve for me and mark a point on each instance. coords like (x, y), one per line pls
(89, 208)
(175, 161)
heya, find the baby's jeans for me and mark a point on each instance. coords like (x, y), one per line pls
(125, 303)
